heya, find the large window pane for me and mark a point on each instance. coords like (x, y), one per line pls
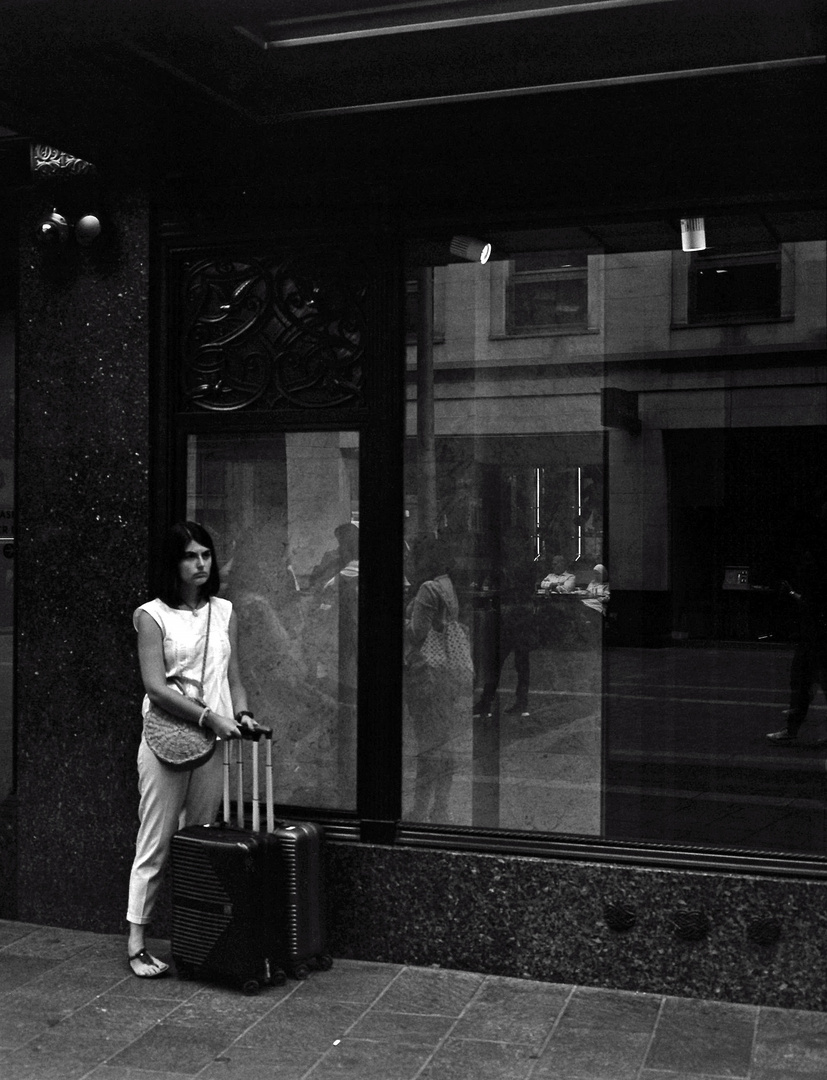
(518, 508)
(628, 516)
(284, 512)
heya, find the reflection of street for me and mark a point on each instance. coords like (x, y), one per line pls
(674, 750)
(547, 765)
(687, 757)
(540, 772)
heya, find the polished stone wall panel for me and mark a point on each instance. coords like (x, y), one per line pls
(546, 919)
(82, 488)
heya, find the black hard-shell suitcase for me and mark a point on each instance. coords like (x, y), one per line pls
(247, 905)
(226, 894)
(301, 902)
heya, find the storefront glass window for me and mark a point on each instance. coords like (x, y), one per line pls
(284, 512)
(618, 519)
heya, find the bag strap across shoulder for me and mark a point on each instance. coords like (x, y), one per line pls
(206, 646)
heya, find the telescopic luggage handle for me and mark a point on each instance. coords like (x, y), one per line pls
(254, 738)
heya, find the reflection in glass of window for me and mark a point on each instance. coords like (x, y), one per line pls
(547, 290)
(284, 511)
(735, 285)
(517, 745)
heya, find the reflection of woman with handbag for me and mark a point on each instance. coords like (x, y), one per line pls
(194, 695)
(438, 684)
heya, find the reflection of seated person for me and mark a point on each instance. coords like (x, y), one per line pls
(596, 592)
(560, 580)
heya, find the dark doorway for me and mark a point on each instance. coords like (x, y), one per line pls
(686, 753)
(738, 498)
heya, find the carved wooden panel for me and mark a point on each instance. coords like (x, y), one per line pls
(272, 334)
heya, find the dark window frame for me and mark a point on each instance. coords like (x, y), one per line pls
(381, 429)
(380, 426)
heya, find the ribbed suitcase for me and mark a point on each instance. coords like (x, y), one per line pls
(301, 898)
(228, 893)
(248, 905)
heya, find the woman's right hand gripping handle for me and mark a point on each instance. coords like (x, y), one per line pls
(227, 727)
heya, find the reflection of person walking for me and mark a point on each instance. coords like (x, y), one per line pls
(517, 627)
(438, 683)
(809, 663)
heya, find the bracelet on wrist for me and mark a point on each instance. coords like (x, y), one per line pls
(203, 716)
(244, 712)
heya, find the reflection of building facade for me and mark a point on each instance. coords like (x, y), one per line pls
(235, 347)
(507, 375)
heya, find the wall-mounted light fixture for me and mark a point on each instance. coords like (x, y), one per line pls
(87, 229)
(53, 230)
(466, 247)
(693, 234)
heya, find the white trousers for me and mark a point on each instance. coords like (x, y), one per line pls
(170, 799)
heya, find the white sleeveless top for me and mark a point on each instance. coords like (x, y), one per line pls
(184, 636)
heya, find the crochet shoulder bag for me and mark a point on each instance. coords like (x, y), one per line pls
(446, 648)
(177, 742)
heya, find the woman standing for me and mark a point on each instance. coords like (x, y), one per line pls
(185, 633)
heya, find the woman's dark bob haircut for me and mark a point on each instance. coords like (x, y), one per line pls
(178, 538)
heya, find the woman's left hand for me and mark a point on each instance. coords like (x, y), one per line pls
(225, 727)
(247, 726)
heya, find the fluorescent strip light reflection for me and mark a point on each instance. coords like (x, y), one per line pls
(413, 18)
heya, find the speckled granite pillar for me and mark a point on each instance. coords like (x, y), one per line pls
(549, 920)
(82, 490)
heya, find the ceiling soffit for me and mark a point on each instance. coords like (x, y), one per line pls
(201, 87)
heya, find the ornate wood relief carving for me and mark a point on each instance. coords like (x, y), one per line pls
(47, 163)
(272, 335)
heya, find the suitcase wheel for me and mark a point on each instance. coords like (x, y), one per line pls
(324, 962)
(299, 971)
(278, 977)
(250, 987)
(184, 970)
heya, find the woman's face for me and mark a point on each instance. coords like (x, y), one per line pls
(194, 568)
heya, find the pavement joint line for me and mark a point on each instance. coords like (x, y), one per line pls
(652, 1037)
(551, 1033)
(754, 1043)
(485, 981)
(362, 1015)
